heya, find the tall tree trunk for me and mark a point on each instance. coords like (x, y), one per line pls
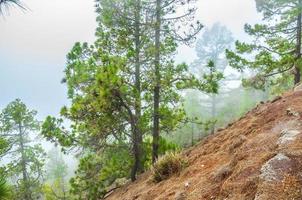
(136, 153)
(137, 135)
(156, 102)
(27, 195)
(298, 48)
(213, 111)
(192, 135)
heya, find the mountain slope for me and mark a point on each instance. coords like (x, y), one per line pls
(257, 157)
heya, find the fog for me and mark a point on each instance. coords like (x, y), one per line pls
(34, 44)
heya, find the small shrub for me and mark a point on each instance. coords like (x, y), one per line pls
(167, 165)
(164, 147)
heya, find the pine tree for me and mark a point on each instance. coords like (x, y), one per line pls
(17, 123)
(110, 86)
(57, 171)
(211, 46)
(168, 30)
(276, 49)
(4, 189)
(105, 82)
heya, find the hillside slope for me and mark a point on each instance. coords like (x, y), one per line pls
(257, 157)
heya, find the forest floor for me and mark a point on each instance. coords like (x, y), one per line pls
(258, 157)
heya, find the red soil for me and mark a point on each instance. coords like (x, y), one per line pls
(243, 161)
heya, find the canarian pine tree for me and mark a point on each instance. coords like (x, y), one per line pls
(4, 189)
(276, 49)
(111, 88)
(211, 46)
(105, 81)
(173, 23)
(17, 124)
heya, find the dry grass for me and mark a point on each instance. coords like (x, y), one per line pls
(287, 189)
(236, 143)
(167, 165)
(291, 187)
(222, 173)
(249, 188)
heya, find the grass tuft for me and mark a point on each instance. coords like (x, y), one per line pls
(169, 164)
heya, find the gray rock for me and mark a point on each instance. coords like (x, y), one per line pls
(288, 136)
(275, 168)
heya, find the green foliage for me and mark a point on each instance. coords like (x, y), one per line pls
(3, 146)
(235, 103)
(57, 185)
(56, 166)
(212, 79)
(201, 107)
(98, 171)
(164, 147)
(281, 84)
(53, 130)
(5, 190)
(105, 102)
(170, 164)
(273, 51)
(111, 88)
(48, 192)
(25, 168)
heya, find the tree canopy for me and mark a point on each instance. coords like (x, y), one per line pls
(276, 48)
(25, 168)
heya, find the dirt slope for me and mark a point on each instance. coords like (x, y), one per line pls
(258, 157)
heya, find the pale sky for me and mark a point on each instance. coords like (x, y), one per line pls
(34, 44)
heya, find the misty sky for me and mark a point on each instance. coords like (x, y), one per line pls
(34, 44)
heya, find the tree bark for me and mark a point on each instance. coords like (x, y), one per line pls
(27, 195)
(298, 48)
(136, 153)
(213, 111)
(137, 134)
(156, 102)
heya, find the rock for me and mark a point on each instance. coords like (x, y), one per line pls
(187, 184)
(287, 136)
(275, 168)
(291, 112)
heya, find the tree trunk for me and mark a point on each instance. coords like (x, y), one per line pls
(192, 136)
(137, 134)
(27, 195)
(156, 102)
(298, 48)
(136, 153)
(213, 111)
